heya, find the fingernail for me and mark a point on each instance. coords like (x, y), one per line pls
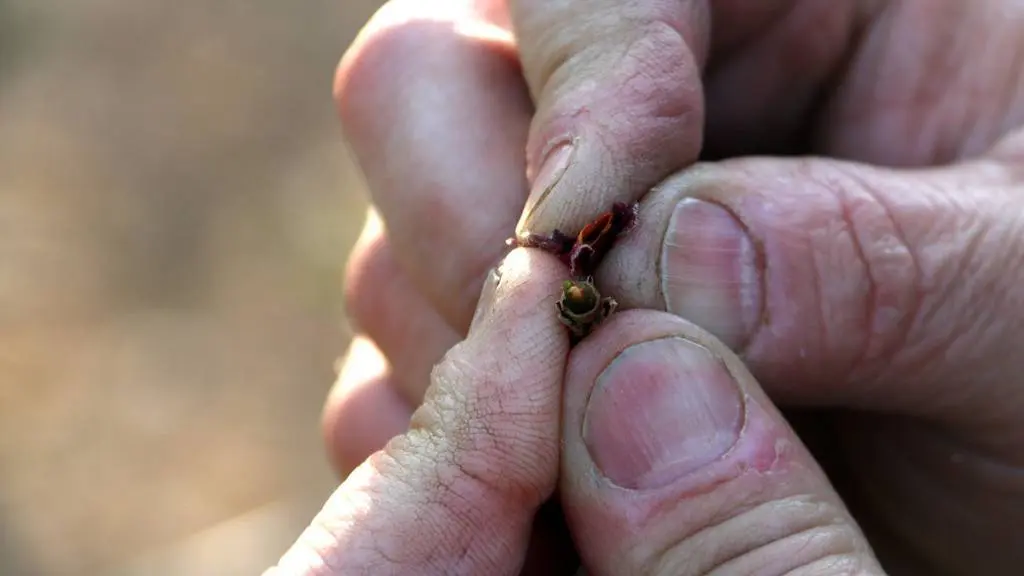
(486, 301)
(551, 170)
(709, 271)
(660, 411)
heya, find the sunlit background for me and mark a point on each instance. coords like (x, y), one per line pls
(176, 203)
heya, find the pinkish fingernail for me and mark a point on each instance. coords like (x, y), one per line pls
(660, 411)
(709, 271)
(551, 170)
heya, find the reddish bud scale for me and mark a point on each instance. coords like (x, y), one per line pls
(597, 238)
(582, 255)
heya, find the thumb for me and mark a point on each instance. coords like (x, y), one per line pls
(845, 284)
(458, 492)
(675, 462)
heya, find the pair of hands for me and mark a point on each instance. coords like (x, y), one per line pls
(873, 282)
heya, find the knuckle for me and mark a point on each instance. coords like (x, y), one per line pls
(872, 274)
(382, 41)
(890, 269)
(916, 245)
(855, 272)
(347, 437)
(350, 68)
(366, 271)
(779, 537)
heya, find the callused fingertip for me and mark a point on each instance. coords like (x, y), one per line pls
(514, 266)
(710, 271)
(515, 269)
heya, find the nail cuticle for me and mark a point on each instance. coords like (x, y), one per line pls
(713, 273)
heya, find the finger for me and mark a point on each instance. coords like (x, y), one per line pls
(844, 284)
(386, 307)
(364, 409)
(912, 93)
(675, 462)
(364, 412)
(457, 493)
(882, 82)
(619, 101)
(434, 108)
(772, 66)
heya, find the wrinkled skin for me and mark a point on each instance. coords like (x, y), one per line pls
(869, 154)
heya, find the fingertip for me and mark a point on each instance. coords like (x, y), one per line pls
(359, 264)
(483, 445)
(674, 458)
(529, 283)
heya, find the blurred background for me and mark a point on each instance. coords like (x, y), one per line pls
(176, 204)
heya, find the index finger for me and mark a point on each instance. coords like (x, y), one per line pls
(457, 493)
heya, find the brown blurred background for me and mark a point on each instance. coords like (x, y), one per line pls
(176, 203)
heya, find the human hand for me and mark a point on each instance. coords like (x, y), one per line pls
(667, 455)
(884, 277)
